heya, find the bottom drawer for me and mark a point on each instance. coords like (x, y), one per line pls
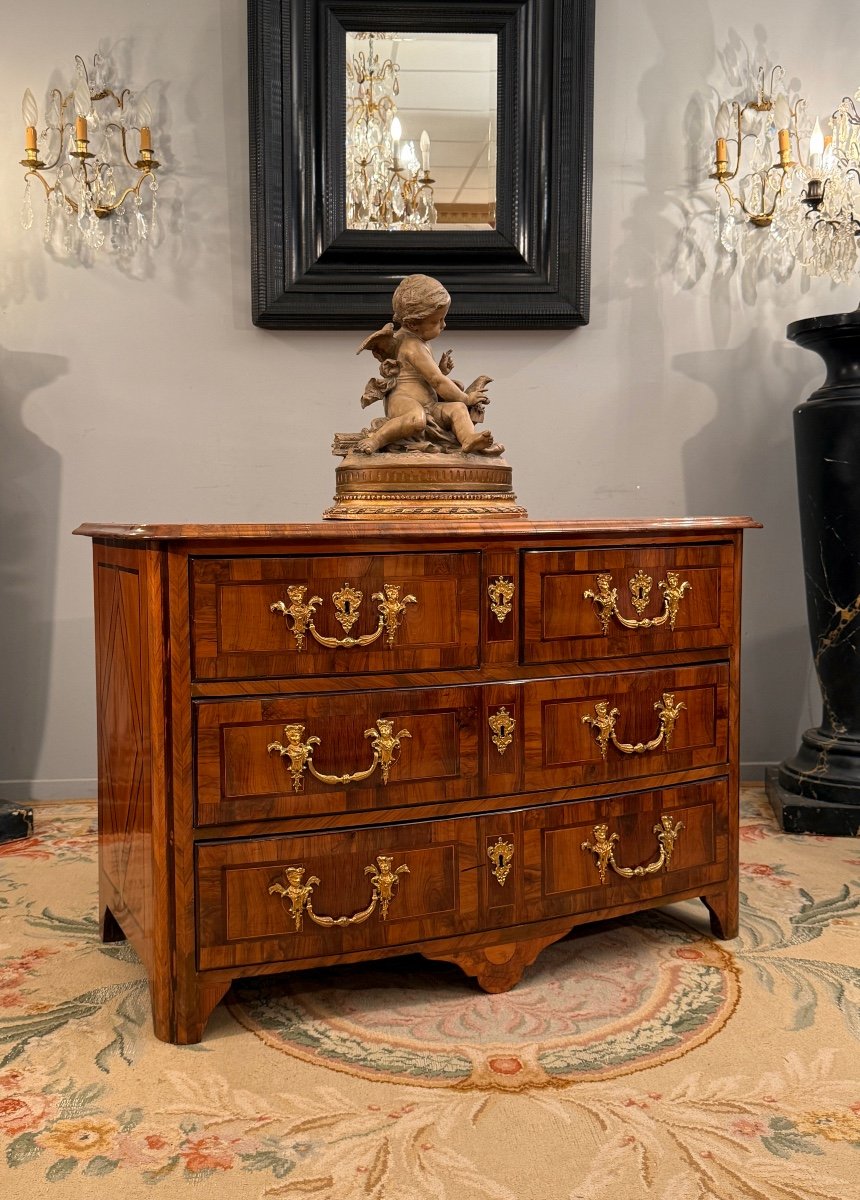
(318, 895)
(258, 898)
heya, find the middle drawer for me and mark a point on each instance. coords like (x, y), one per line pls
(292, 756)
(341, 752)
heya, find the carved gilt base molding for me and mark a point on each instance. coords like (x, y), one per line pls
(395, 486)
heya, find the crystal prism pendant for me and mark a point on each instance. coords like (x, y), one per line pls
(27, 208)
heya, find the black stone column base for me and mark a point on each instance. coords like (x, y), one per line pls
(16, 821)
(801, 814)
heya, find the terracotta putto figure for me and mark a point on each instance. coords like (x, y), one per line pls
(427, 454)
(424, 408)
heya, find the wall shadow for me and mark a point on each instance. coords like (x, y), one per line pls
(743, 461)
(685, 54)
(29, 504)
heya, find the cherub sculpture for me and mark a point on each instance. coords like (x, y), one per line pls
(424, 409)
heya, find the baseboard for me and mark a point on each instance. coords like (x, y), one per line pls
(19, 790)
(753, 772)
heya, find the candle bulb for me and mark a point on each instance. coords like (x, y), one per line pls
(722, 122)
(816, 147)
(144, 114)
(29, 111)
(827, 158)
(425, 150)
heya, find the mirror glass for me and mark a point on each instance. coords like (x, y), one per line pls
(421, 131)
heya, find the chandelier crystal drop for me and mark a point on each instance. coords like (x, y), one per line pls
(387, 187)
(84, 157)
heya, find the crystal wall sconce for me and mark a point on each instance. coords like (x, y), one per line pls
(756, 179)
(781, 174)
(92, 156)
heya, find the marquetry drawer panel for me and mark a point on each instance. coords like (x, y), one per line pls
(240, 779)
(236, 634)
(561, 623)
(241, 922)
(562, 877)
(563, 721)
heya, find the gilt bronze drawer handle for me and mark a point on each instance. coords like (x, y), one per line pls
(299, 615)
(383, 880)
(605, 600)
(502, 724)
(604, 854)
(385, 746)
(603, 724)
(501, 591)
(501, 854)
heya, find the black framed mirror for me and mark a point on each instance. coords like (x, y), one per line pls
(529, 270)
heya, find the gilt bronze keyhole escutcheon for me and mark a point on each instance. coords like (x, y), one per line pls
(502, 724)
(501, 854)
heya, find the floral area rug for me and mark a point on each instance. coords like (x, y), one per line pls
(638, 1058)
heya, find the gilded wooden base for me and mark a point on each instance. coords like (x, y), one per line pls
(424, 485)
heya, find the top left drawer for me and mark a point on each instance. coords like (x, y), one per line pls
(255, 618)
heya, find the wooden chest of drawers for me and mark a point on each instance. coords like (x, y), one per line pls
(325, 743)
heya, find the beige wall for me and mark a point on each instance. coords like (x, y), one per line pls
(150, 397)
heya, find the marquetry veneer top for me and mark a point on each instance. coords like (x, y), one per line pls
(348, 531)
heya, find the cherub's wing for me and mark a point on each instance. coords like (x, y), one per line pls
(382, 344)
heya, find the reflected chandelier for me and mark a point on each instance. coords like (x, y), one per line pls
(783, 175)
(84, 158)
(386, 186)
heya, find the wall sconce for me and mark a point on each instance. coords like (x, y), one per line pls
(762, 171)
(808, 201)
(84, 159)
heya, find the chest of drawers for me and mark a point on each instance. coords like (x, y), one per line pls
(325, 743)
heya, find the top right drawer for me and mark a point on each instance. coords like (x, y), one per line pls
(619, 601)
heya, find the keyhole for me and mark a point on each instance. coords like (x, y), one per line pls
(346, 607)
(500, 860)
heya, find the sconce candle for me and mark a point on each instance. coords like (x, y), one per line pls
(722, 155)
(30, 113)
(145, 138)
(80, 129)
(396, 131)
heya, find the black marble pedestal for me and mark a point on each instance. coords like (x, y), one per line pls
(797, 814)
(817, 790)
(16, 821)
